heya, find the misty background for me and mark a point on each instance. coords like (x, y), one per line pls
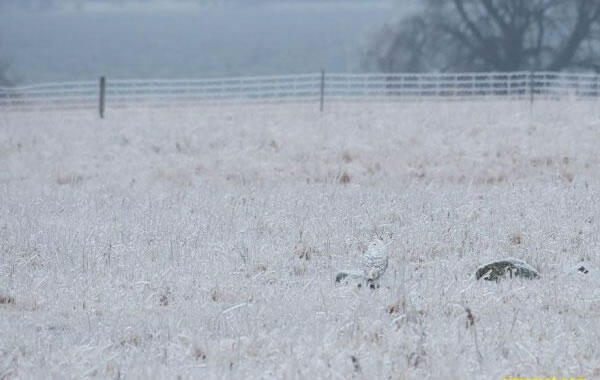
(45, 40)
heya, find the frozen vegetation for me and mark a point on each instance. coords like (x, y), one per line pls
(204, 242)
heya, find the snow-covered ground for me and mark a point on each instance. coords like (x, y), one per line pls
(203, 242)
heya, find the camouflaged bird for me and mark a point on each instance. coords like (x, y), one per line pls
(373, 265)
(375, 262)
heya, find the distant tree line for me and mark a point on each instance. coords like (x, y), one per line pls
(492, 35)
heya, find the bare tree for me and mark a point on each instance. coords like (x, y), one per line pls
(496, 35)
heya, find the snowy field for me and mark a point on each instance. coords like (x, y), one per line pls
(203, 242)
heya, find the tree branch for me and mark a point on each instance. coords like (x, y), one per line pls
(585, 18)
(495, 13)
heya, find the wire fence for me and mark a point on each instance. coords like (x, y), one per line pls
(318, 88)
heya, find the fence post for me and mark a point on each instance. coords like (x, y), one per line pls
(322, 90)
(102, 99)
(531, 87)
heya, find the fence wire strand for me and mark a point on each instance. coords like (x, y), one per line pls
(306, 88)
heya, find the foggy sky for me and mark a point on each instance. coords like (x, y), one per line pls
(45, 5)
(156, 39)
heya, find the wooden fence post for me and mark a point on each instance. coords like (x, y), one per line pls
(102, 103)
(531, 87)
(322, 90)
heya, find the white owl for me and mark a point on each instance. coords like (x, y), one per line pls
(375, 262)
(373, 265)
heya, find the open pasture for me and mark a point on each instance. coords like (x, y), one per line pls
(203, 242)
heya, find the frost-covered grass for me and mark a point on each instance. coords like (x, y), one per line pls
(203, 242)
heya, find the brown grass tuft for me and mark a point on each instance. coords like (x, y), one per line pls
(396, 308)
(69, 179)
(345, 178)
(517, 239)
(199, 353)
(347, 158)
(7, 300)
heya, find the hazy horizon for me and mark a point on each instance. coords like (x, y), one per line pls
(91, 5)
(174, 42)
